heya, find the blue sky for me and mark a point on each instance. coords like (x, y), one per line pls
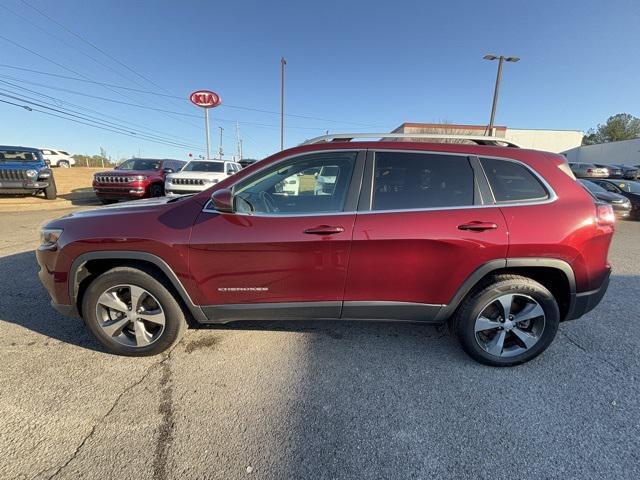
(364, 65)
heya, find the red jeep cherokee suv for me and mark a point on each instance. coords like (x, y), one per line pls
(501, 242)
(134, 178)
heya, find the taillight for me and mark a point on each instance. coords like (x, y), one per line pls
(589, 170)
(604, 214)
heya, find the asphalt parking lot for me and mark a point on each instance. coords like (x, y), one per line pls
(291, 400)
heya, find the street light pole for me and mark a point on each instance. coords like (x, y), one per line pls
(283, 62)
(501, 59)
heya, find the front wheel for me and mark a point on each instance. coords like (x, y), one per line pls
(133, 313)
(51, 193)
(156, 190)
(509, 321)
(63, 164)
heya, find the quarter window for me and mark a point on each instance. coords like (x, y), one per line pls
(299, 186)
(512, 182)
(417, 180)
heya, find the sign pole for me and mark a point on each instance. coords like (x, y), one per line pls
(206, 99)
(206, 129)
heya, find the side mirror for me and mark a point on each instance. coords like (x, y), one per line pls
(222, 200)
(167, 170)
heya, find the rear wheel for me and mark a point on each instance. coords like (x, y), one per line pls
(51, 193)
(508, 321)
(63, 164)
(156, 190)
(133, 313)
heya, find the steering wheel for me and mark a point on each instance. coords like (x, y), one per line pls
(269, 202)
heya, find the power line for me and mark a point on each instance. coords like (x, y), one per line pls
(80, 37)
(136, 105)
(75, 114)
(87, 121)
(73, 71)
(138, 90)
(55, 99)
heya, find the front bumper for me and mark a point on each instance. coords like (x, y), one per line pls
(119, 193)
(583, 302)
(22, 186)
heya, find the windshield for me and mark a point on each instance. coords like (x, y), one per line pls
(630, 187)
(592, 187)
(140, 164)
(198, 166)
(18, 156)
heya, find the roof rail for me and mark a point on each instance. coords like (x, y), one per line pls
(478, 139)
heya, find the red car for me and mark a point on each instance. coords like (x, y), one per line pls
(502, 243)
(134, 178)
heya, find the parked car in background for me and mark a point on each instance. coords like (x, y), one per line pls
(588, 170)
(614, 170)
(621, 204)
(629, 172)
(500, 242)
(626, 188)
(245, 162)
(23, 171)
(198, 175)
(134, 178)
(57, 158)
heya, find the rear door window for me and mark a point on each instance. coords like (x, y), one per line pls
(404, 181)
(512, 182)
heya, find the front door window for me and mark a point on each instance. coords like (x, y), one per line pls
(313, 184)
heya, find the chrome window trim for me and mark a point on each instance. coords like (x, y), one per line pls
(551, 194)
(550, 199)
(522, 203)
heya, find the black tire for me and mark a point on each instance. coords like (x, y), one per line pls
(51, 192)
(175, 322)
(463, 321)
(63, 164)
(156, 190)
(107, 201)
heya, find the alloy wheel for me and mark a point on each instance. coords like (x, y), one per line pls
(509, 325)
(130, 315)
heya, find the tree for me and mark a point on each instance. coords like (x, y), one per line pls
(622, 126)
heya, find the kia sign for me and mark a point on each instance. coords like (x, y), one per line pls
(205, 98)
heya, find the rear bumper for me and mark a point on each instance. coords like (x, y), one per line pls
(583, 302)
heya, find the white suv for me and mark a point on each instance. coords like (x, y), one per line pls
(198, 175)
(57, 158)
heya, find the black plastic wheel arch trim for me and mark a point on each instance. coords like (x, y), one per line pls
(81, 260)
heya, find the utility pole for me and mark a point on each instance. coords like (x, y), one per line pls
(501, 59)
(238, 140)
(206, 129)
(283, 62)
(221, 152)
(240, 149)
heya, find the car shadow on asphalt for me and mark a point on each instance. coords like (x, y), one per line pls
(25, 302)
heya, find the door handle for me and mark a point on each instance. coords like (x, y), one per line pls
(324, 230)
(477, 226)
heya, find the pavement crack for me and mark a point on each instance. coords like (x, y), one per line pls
(165, 358)
(165, 430)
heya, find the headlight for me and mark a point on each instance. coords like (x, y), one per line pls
(49, 236)
(212, 180)
(139, 178)
(32, 173)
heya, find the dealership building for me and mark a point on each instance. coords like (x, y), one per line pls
(556, 141)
